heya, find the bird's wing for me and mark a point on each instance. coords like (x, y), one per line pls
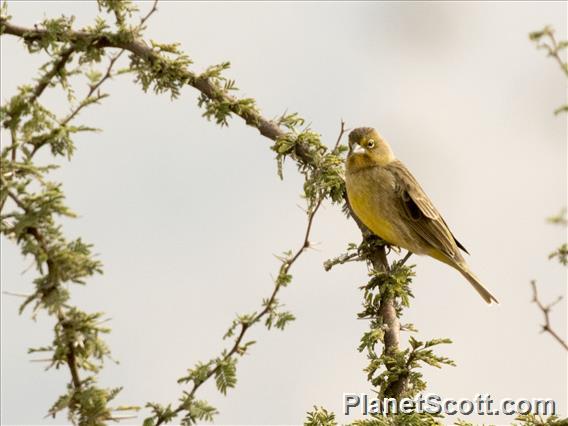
(421, 214)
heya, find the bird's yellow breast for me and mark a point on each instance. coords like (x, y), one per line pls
(368, 210)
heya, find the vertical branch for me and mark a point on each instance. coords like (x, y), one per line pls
(71, 356)
(388, 312)
(13, 146)
(392, 333)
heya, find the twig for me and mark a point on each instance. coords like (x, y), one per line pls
(14, 144)
(545, 309)
(44, 81)
(42, 360)
(93, 88)
(406, 258)
(340, 260)
(13, 196)
(554, 51)
(342, 131)
(553, 48)
(10, 293)
(150, 13)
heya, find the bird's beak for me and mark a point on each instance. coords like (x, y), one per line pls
(357, 149)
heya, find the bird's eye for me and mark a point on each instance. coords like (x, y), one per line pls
(370, 144)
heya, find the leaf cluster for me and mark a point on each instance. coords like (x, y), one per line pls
(322, 168)
(89, 405)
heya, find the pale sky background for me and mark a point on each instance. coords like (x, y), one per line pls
(464, 98)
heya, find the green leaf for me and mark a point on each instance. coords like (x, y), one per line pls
(226, 374)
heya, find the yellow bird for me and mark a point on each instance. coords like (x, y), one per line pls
(385, 196)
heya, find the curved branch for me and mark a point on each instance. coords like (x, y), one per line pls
(267, 128)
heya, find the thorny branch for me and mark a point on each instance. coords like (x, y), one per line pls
(284, 269)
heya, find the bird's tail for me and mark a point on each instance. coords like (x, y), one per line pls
(483, 292)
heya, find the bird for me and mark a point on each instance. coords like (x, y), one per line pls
(389, 201)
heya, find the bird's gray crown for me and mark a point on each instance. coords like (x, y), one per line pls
(357, 134)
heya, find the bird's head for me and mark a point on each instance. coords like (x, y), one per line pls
(368, 148)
